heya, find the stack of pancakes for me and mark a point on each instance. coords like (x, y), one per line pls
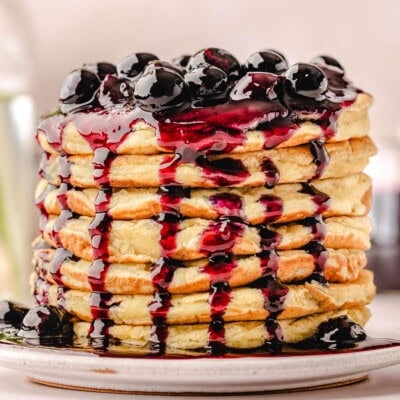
(239, 250)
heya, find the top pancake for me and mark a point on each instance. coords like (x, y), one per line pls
(286, 165)
(142, 137)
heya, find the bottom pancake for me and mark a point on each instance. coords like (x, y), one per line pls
(238, 335)
(245, 303)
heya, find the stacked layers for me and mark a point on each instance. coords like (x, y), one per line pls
(226, 226)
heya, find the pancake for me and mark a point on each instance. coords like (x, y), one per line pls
(288, 165)
(139, 240)
(186, 214)
(238, 335)
(350, 196)
(293, 265)
(352, 122)
(246, 303)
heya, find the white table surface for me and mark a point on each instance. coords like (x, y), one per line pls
(381, 384)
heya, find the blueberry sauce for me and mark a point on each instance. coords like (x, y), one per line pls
(273, 207)
(12, 313)
(60, 256)
(40, 204)
(64, 174)
(217, 243)
(161, 274)
(273, 291)
(227, 204)
(203, 134)
(316, 248)
(320, 157)
(99, 231)
(321, 200)
(271, 172)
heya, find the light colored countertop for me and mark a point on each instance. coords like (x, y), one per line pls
(381, 384)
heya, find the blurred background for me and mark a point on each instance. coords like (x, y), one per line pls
(42, 40)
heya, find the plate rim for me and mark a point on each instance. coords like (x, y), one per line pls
(221, 375)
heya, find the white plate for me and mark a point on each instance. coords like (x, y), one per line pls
(87, 371)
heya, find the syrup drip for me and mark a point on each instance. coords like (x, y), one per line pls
(64, 174)
(104, 143)
(60, 256)
(273, 291)
(318, 227)
(217, 242)
(162, 274)
(44, 160)
(271, 173)
(320, 199)
(163, 271)
(316, 248)
(273, 207)
(41, 295)
(277, 132)
(40, 204)
(320, 157)
(99, 231)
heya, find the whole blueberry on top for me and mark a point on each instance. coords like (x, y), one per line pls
(12, 313)
(328, 61)
(279, 53)
(306, 80)
(114, 90)
(101, 69)
(266, 61)
(78, 90)
(133, 64)
(167, 65)
(181, 61)
(218, 58)
(206, 81)
(257, 86)
(160, 88)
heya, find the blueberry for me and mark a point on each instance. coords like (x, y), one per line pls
(279, 53)
(46, 325)
(257, 86)
(101, 69)
(114, 90)
(181, 61)
(134, 64)
(218, 58)
(336, 333)
(160, 88)
(327, 61)
(306, 80)
(12, 313)
(207, 81)
(166, 65)
(78, 90)
(266, 61)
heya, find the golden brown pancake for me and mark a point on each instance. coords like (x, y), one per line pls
(352, 122)
(294, 164)
(238, 335)
(246, 303)
(293, 265)
(350, 196)
(138, 240)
